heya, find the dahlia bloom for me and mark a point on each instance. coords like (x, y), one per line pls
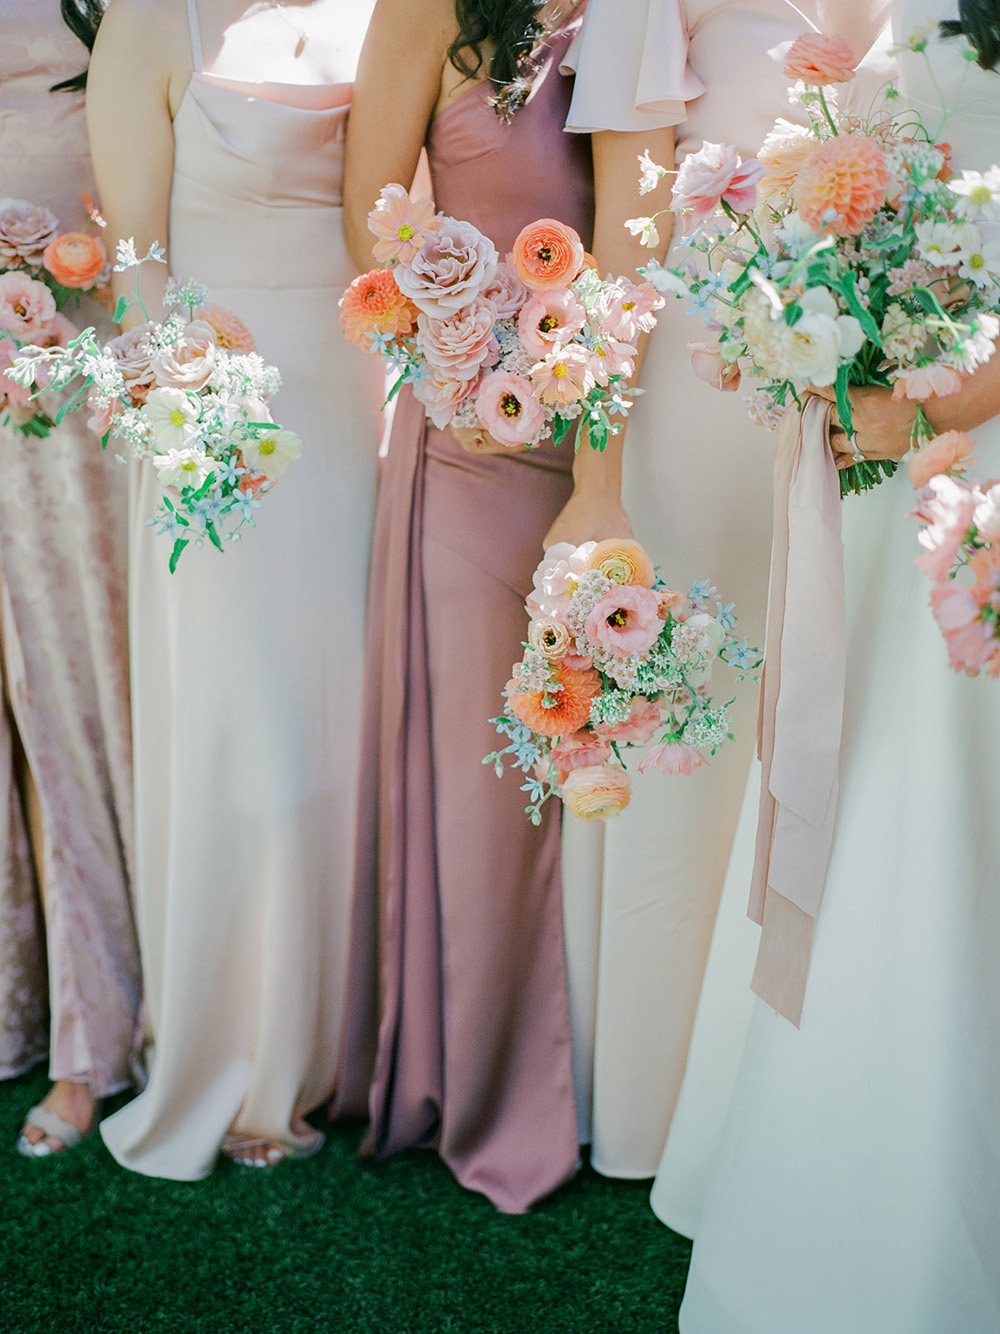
(843, 184)
(820, 60)
(373, 304)
(570, 707)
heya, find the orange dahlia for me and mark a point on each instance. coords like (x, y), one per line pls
(373, 304)
(230, 331)
(842, 185)
(571, 707)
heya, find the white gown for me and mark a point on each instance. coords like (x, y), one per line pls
(641, 892)
(857, 1184)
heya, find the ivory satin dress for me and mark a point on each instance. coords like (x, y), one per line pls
(247, 665)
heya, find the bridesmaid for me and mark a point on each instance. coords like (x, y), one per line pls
(457, 1027)
(246, 686)
(64, 726)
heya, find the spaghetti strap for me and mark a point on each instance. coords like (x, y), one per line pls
(196, 51)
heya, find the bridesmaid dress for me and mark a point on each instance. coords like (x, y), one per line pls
(247, 665)
(641, 892)
(857, 1186)
(458, 1032)
(64, 664)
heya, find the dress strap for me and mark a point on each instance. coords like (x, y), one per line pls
(196, 51)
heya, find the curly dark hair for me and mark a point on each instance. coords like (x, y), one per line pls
(979, 21)
(511, 27)
(83, 18)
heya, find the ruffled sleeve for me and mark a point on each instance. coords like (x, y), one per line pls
(631, 64)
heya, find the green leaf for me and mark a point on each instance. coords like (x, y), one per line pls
(213, 535)
(561, 428)
(71, 404)
(120, 309)
(844, 402)
(175, 555)
(930, 303)
(860, 313)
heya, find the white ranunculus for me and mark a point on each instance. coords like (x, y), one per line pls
(711, 635)
(822, 338)
(273, 453)
(183, 467)
(172, 416)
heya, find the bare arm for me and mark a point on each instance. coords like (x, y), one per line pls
(140, 67)
(594, 510)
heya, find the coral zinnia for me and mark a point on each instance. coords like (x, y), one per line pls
(373, 304)
(842, 185)
(571, 706)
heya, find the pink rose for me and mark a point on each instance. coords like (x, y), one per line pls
(933, 381)
(819, 60)
(508, 408)
(942, 454)
(625, 621)
(133, 353)
(26, 306)
(506, 291)
(455, 264)
(577, 750)
(713, 175)
(441, 396)
(556, 578)
(638, 727)
(549, 318)
(596, 792)
(25, 231)
(672, 757)
(458, 345)
(187, 364)
(709, 365)
(17, 395)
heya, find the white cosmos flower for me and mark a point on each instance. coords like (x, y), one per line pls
(183, 467)
(941, 243)
(652, 173)
(980, 264)
(272, 454)
(979, 194)
(822, 338)
(172, 416)
(645, 229)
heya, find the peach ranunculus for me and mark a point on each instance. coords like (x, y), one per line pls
(507, 407)
(400, 225)
(75, 259)
(931, 381)
(455, 264)
(26, 306)
(188, 363)
(625, 621)
(441, 396)
(25, 231)
(623, 561)
(564, 375)
(819, 60)
(230, 331)
(709, 365)
(549, 318)
(945, 453)
(578, 750)
(547, 254)
(672, 757)
(713, 175)
(373, 305)
(597, 792)
(458, 345)
(556, 578)
(570, 707)
(842, 185)
(133, 353)
(783, 153)
(549, 637)
(637, 728)
(506, 291)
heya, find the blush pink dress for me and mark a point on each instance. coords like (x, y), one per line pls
(64, 661)
(458, 1031)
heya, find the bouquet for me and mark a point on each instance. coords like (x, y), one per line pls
(42, 268)
(523, 347)
(845, 253)
(961, 541)
(614, 657)
(190, 394)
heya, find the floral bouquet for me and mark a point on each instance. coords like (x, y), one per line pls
(522, 347)
(188, 393)
(961, 541)
(613, 657)
(41, 269)
(846, 253)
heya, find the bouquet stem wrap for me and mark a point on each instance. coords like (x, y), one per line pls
(802, 704)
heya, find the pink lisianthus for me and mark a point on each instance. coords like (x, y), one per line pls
(948, 508)
(945, 453)
(506, 291)
(819, 60)
(672, 757)
(458, 345)
(709, 365)
(441, 396)
(637, 728)
(508, 408)
(564, 376)
(625, 621)
(455, 264)
(610, 356)
(715, 175)
(25, 231)
(556, 578)
(400, 225)
(596, 792)
(17, 395)
(548, 319)
(932, 381)
(578, 750)
(26, 306)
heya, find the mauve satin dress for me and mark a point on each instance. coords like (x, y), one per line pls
(65, 658)
(457, 1024)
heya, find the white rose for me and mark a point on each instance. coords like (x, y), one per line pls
(822, 338)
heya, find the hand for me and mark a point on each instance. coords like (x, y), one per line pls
(477, 440)
(589, 516)
(882, 424)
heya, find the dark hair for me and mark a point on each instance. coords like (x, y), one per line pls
(83, 18)
(979, 21)
(512, 28)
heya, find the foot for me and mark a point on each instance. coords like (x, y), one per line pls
(72, 1103)
(256, 1151)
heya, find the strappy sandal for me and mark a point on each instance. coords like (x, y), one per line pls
(270, 1153)
(54, 1127)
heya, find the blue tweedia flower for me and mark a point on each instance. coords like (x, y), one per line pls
(741, 655)
(725, 616)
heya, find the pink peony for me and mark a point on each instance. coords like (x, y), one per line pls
(820, 60)
(548, 319)
(400, 225)
(25, 231)
(638, 727)
(842, 185)
(458, 345)
(556, 578)
(506, 291)
(672, 757)
(942, 454)
(26, 306)
(709, 365)
(507, 407)
(920, 382)
(714, 175)
(578, 750)
(597, 792)
(455, 264)
(625, 621)
(668, 600)
(188, 363)
(441, 396)
(564, 376)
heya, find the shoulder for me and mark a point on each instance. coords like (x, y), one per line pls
(153, 29)
(423, 23)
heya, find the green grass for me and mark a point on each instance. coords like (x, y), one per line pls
(324, 1246)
